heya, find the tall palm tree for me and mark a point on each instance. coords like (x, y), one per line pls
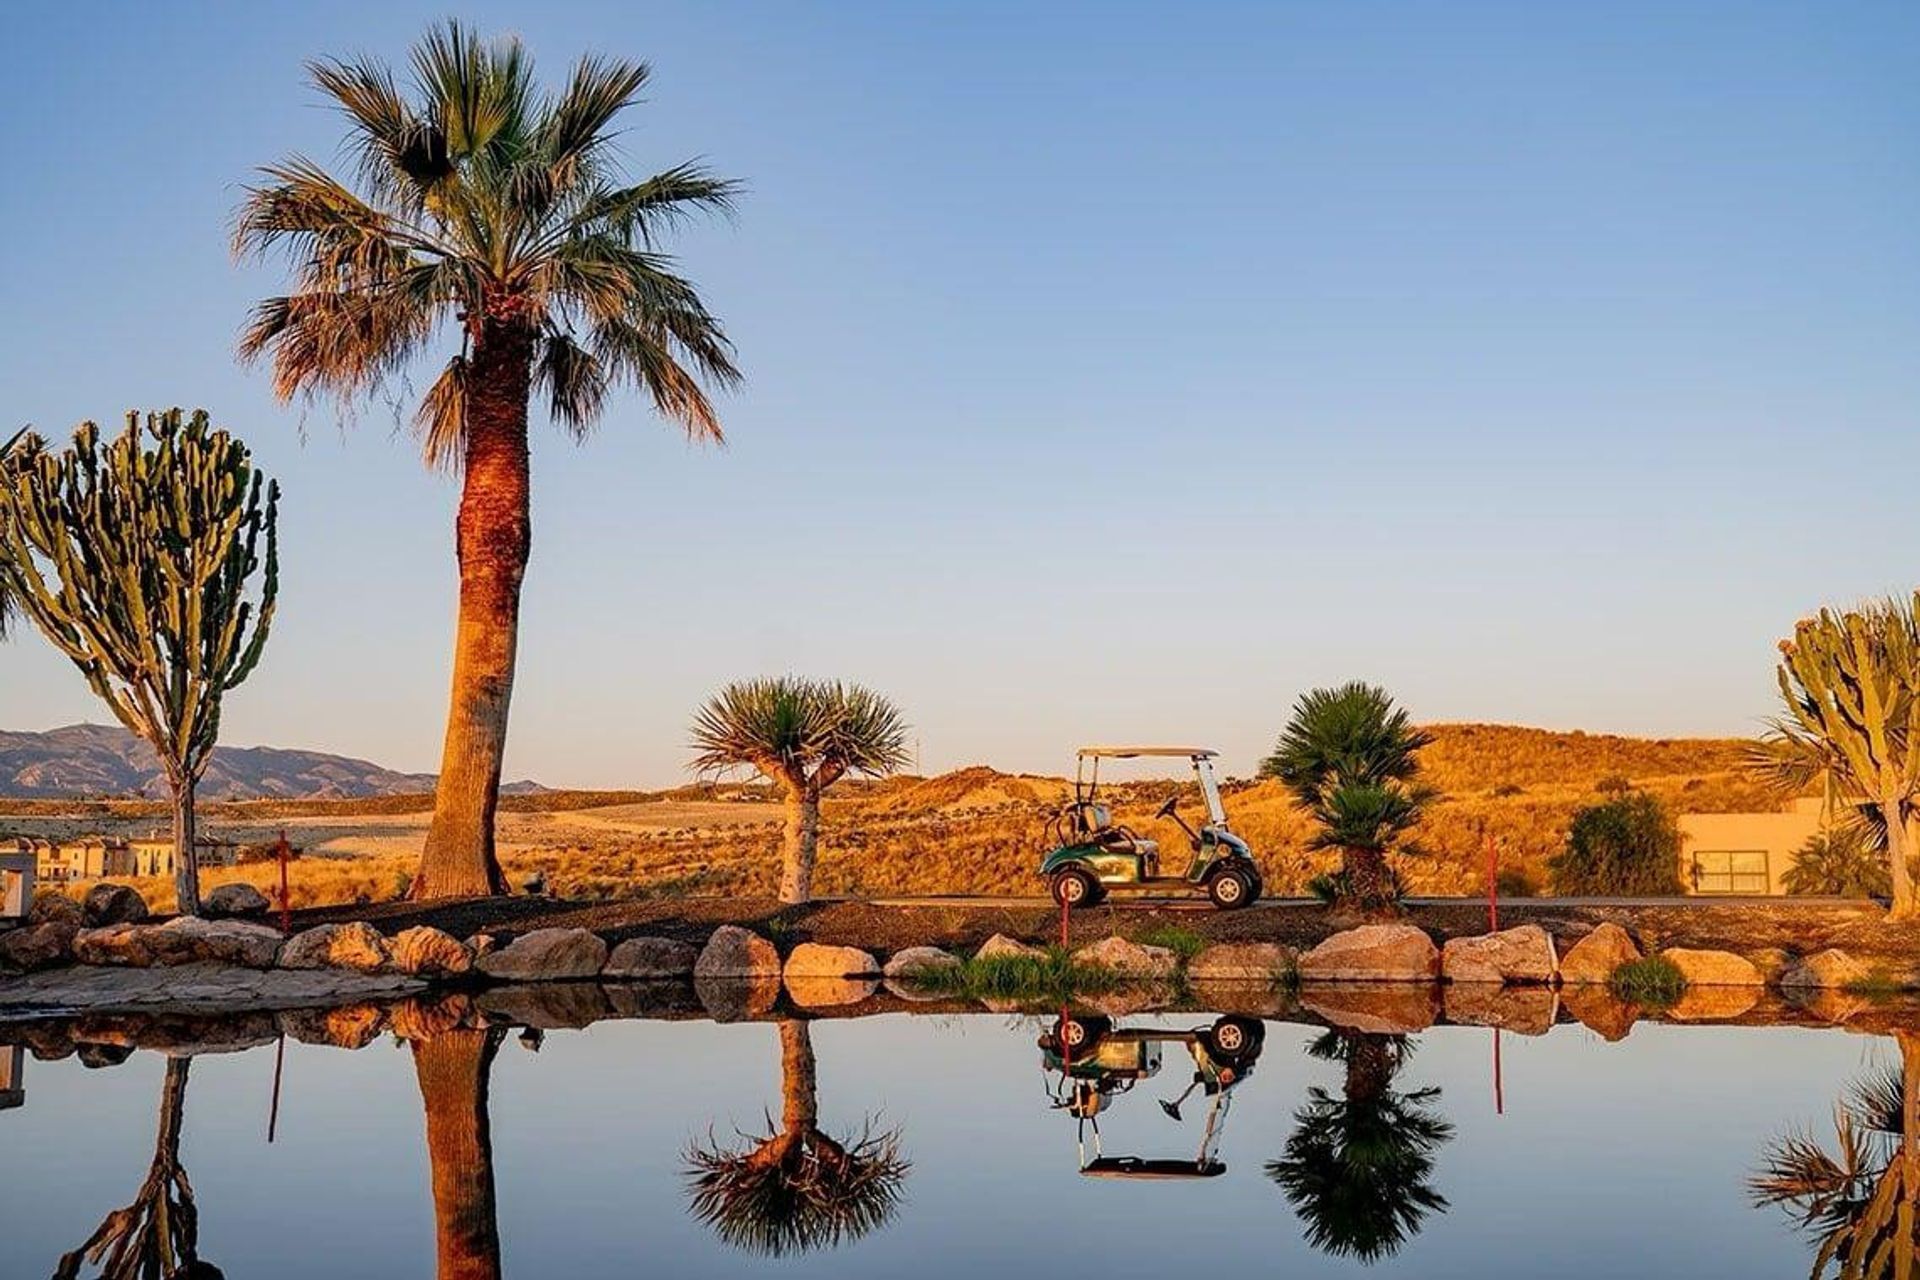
(1858, 1204)
(1352, 759)
(797, 1189)
(454, 1067)
(803, 736)
(1357, 1168)
(484, 207)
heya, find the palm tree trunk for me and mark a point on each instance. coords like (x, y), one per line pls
(453, 1068)
(800, 843)
(494, 532)
(186, 862)
(1367, 879)
(1899, 848)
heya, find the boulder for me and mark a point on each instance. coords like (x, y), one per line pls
(189, 940)
(814, 960)
(37, 946)
(1722, 1002)
(1520, 956)
(733, 952)
(737, 999)
(548, 1006)
(427, 1017)
(547, 955)
(1382, 1008)
(1138, 996)
(351, 1026)
(119, 944)
(914, 962)
(651, 958)
(239, 899)
(113, 904)
(482, 944)
(1128, 959)
(1001, 945)
(1831, 969)
(1772, 962)
(821, 991)
(1714, 968)
(1829, 1004)
(1600, 1011)
(1263, 962)
(1373, 953)
(1527, 1010)
(1248, 999)
(50, 906)
(1591, 961)
(355, 945)
(429, 952)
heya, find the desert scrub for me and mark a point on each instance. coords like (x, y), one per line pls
(1878, 986)
(1185, 943)
(1053, 975)
(1653, 982)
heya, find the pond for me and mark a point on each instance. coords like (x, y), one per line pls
(954, 1145)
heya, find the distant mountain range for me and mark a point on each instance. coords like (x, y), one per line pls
(93, 760)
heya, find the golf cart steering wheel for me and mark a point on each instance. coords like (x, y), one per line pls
(1166, 810)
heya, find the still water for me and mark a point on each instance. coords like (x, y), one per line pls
(952, 1145)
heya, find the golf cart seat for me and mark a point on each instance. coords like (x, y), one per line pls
(1093, 823)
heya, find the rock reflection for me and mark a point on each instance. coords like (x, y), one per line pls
(1357, 1168)
(1857, 1201)
(796, 1189)
(157, 1236)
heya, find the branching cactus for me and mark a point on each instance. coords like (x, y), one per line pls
(1850, 681)
(152, 562)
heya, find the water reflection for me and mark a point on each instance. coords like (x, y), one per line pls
(454, 1067)
(1357, 1169)
(1089, 1062)
(1857, 1202)
(796, 1189)
(157, 1236)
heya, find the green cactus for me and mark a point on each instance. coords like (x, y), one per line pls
(134, 559)
(1850, 681)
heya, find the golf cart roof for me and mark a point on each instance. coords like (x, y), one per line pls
(1131, 753)
(1151, 1170)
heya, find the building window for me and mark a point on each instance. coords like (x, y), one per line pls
(1731, 871)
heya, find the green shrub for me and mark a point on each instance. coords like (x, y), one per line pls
(1653, 982)
(1177, 938)
(1842, 863)
(1628, 846)
(1517, 880)
(1051, 976)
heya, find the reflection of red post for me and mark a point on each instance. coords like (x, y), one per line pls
(273, 1111)
(1493, 881)
(1065, 910)
(1499, 1086)
(286, 902)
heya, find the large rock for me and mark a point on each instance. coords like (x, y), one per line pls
(1528, 1010)
(1591, 961)
(737, 999)
(815, 960)
(237, 900)
(733, 952)
(548, 1006)
(822, 991)
(547, 955)
(1373, 953)
(1519, 956)
(1001, 945)
(1714, 968)
(1262, 962)
(1831, 969)
(429, 952)
(187, 940)
(1719, 1002)
(113, 904)
(1600, 1011)
(355, 945)
(1128, 959)
(918, 962)
(1386, 1008)
(37, 946)
(349, 1026)
(50, 906)
(651, 958)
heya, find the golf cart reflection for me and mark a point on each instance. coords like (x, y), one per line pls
(1088, 1062)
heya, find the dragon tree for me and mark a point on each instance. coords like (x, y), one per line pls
(1850, 682)
(152, 562)
(484, 208)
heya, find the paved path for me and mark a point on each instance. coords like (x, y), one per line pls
(1198, 902)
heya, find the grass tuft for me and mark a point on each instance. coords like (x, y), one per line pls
(1184, 942)
(1053, 976)
(1653, 982)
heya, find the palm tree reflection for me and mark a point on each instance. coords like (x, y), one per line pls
(1356, 1167)
(795, 1189)
(1857, 1203)
(157, 1236)
(454, 1068)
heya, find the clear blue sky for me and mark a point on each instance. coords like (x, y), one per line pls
(1113, 370)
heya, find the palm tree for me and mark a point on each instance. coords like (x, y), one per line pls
(453, 1067)
(1844, 862)
(1351, 759)
(1356, 1168)
(483, 204)
(1850, 681)
(803, 736)
(796, 1189)
(157, 1237)
(1857, 1204)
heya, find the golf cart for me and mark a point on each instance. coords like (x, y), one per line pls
(1094, 855)
(1095, 1062)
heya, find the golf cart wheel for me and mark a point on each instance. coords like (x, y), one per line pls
(1230, 889)
(1074, 887)
(1076, 1036)
(1235, 1040)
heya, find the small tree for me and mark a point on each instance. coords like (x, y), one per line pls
(803, 736)
(1845, 862)
(1351, 758)
(1626, 846)
(134, 558)
(1850, 681)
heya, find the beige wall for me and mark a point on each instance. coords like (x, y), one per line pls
(1743, 849)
